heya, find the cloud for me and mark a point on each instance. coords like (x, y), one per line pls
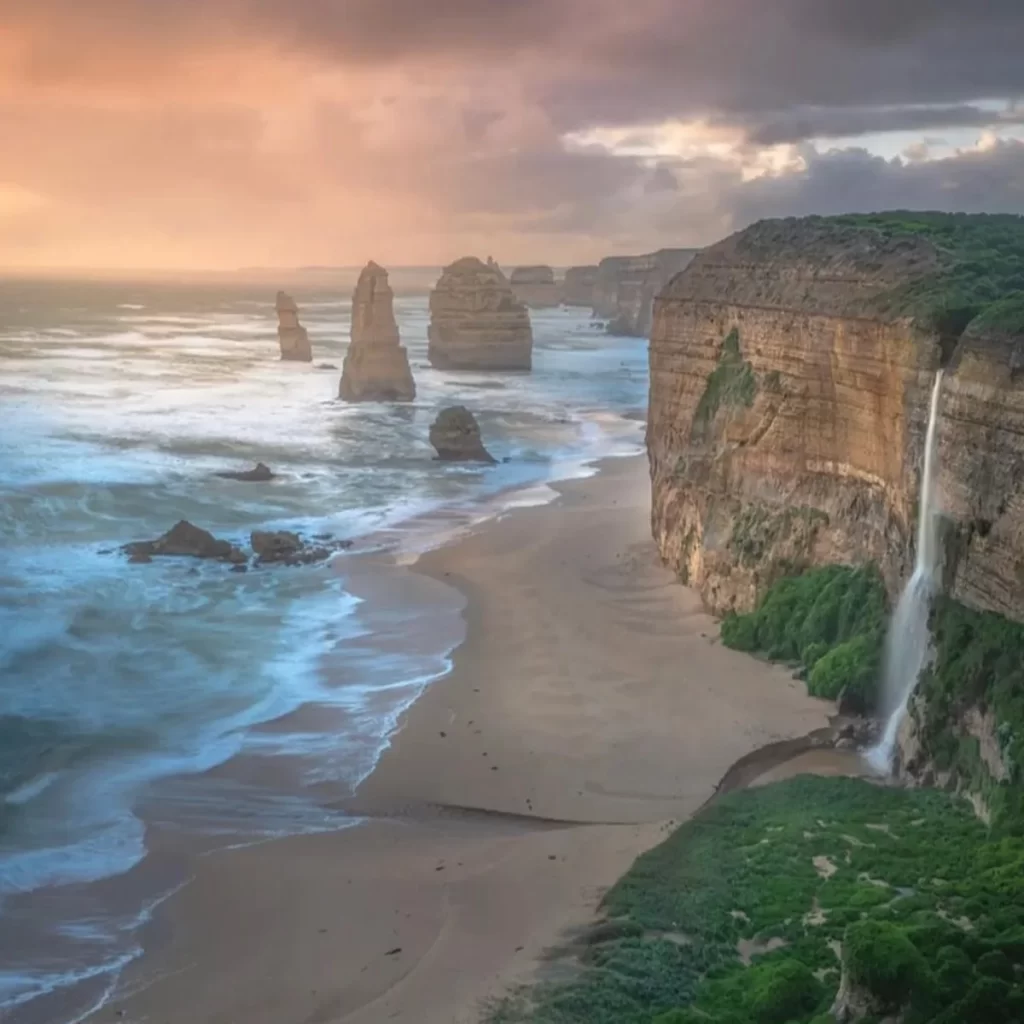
(222, 132)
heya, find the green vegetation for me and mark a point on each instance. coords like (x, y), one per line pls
(979, 664)
(740, 915)
(731, 383)
(831, 621)
(758, 529)
(983, 266)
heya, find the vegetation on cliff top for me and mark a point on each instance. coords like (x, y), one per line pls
(831, 621)
(978, 669)
(741, 915)
(983, 265)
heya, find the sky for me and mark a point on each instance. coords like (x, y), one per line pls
(231, 133)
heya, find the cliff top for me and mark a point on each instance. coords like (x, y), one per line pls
(944, 270)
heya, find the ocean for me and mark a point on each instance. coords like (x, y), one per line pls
(177, 699)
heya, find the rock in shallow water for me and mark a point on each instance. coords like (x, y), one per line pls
(455, 435)
(291, 335)
(260, 473)
(184, 540)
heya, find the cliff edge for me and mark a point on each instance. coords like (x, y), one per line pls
(791, 366)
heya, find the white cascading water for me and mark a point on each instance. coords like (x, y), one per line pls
(908, 643)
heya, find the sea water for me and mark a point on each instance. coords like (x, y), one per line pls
(177, 696)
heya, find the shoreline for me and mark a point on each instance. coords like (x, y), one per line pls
(499, 812)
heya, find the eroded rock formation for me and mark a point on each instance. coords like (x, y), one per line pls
(455, 435)
(578, 287)
(626, 286)
(536, 287)
(476, 323)
(184, 540)
(291, 335)
(376, 367)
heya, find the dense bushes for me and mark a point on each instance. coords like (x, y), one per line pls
(924, 904)
(730, 383)
(831, 621)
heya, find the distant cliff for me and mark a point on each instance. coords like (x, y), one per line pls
(791, 366)
(625, 287)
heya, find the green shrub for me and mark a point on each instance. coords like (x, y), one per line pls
(879, 957)
(730, 383)
(781, 991)
(831, 621)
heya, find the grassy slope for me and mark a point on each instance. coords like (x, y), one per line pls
(908, 875)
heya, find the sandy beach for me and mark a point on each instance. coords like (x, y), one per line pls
(590, 705)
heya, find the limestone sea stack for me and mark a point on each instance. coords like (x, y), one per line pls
(291, 335)
(455, 435)
(536, 287)
(578, 287)
(376, 367)
(476, 322)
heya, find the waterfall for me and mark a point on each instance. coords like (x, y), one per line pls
(908, 644)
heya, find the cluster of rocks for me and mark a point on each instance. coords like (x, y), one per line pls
(280, 547)
(476, 322)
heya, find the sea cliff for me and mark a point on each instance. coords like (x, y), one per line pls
(791, 367)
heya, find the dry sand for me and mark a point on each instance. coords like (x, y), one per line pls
(590, 703)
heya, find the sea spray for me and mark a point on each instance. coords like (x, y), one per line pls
(908, 643)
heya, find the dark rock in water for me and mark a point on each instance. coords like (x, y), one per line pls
(275, 546)
(258, 474)
(184, 540)
(455, 435)
(281, 547)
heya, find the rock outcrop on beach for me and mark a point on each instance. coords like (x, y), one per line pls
(455, 435)
(376, 367)
(476, 322)
(291, 335)
(184, 540)
(536, 287)
(626, 286)
(260, 473)
(578, 287)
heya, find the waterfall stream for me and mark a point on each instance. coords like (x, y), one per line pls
(907, 646)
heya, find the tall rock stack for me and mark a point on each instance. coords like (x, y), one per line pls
(536, 287)
(291, 335)
(376, 367)
(476, 322)
(578, 289)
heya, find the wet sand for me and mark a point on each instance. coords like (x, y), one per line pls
(590, 705)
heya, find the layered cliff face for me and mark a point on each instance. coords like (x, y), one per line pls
(376, 367)
(536, 287)
(791, 368)
(626, 286)
(476, 323)
(578, 287)
(291, 335)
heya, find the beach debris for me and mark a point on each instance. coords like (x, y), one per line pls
(394, 952)
(455, 435)
(184, 540)
(260, 473)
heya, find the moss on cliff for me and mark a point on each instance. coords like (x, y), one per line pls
(731, 383)
(977, 677)
(831, 621)
(739, 917)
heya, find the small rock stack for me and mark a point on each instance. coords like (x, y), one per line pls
(291, 335)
